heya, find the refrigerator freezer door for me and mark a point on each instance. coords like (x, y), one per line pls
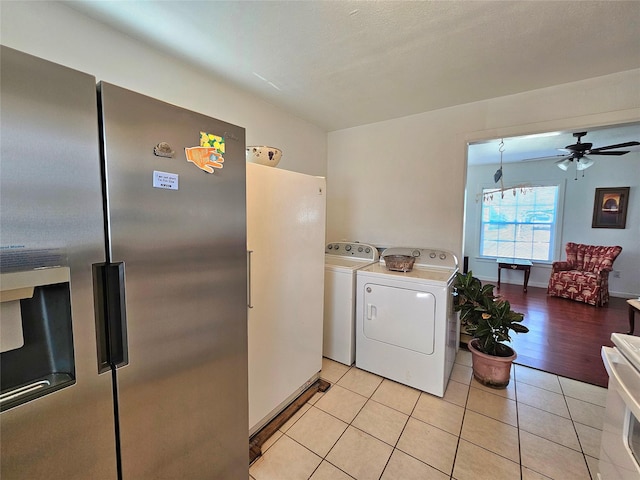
(181, 233)
(286, 232)
(51, 200)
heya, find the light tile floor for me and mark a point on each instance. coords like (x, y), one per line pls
(366, 427)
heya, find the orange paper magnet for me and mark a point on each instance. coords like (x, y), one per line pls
(205, 158)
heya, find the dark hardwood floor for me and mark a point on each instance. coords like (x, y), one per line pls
(564, 336)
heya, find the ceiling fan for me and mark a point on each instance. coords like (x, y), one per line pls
(579, 151)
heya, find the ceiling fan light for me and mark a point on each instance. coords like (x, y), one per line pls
(564, 164)
(584, 163)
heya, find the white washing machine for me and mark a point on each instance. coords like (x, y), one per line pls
(406, 328)
(342, 259)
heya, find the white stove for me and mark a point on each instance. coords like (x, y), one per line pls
(629, 346)
(620, 444)
(406, 329)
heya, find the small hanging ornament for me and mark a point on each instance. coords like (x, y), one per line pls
(487, 196)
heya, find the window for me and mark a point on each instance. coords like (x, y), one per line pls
(520, 225)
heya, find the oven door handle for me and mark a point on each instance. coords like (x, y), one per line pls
(623, 377)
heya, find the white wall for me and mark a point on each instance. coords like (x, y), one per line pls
(576, 218)
(402, 181)
(57, 33)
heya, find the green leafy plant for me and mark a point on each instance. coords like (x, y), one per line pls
(485, 316)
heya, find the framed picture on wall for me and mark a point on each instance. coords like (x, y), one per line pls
(610, 207)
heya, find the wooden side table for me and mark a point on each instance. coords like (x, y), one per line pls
(515, 264)
(634, 306)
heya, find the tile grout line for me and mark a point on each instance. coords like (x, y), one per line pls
(464, 414)
(515, 391)
(517, 427)
(395, 445)
(348, 425)
(573, 424)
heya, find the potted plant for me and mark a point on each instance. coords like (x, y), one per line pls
(488, 319)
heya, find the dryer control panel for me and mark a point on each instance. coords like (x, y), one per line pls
(356, 250)
(426, 257)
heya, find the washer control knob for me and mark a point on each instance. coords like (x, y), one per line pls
(330, 247)
(360, 249)
(443, 256)
(348, 248)
(367, 250)
(337, 247)
(415, 253)
(432, 255)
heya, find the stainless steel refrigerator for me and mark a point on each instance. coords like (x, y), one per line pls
(123, 272)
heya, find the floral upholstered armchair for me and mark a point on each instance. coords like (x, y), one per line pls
(584, 276)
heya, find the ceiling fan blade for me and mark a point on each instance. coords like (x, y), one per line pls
(552, 157)
(617, 152)
(618, 145)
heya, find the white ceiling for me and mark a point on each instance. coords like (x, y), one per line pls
(340, 64)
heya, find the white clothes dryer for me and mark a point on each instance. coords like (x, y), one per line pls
(342, 259)
(406, 327)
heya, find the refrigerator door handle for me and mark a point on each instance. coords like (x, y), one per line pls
(110, 313)
(249, 304)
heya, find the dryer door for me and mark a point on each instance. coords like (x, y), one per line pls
(400, 317)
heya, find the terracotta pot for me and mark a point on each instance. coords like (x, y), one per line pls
(491, 370)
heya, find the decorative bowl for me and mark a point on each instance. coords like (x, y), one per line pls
(399, 263)
(264, 155)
